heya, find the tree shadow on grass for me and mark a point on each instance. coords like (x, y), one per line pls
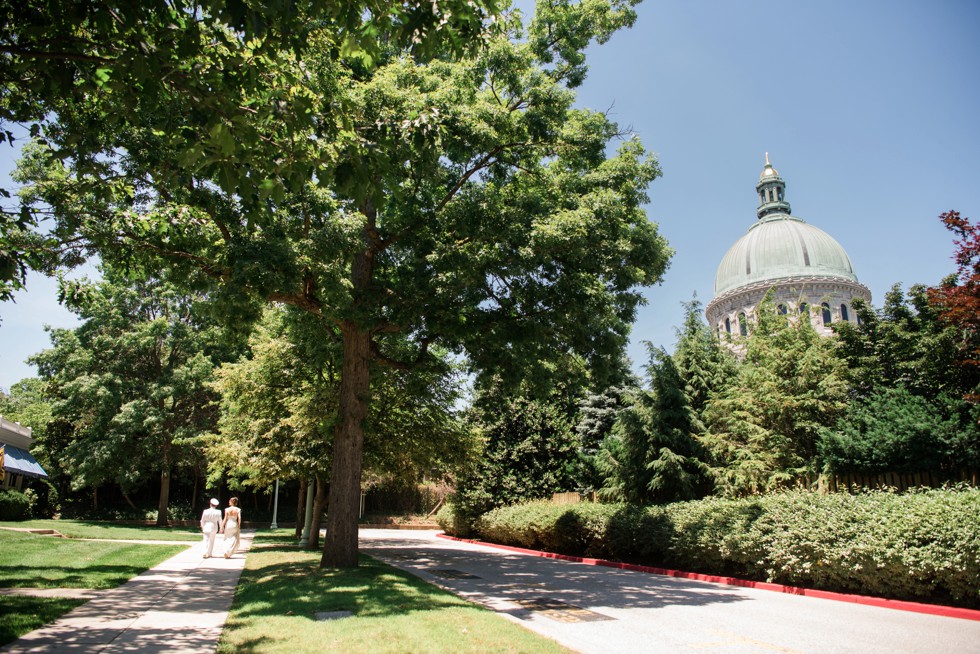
(21, 614)
(301, 588)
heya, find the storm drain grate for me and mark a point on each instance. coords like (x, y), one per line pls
(449, 573)
(560, 611)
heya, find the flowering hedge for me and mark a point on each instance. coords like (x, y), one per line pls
(917, 545)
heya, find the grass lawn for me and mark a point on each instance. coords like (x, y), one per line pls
(96, 529)
(20, 614)
(33, 561)
(282, 589)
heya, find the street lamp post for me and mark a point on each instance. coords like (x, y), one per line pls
(275, 508)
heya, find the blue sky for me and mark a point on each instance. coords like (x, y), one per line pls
(869, 110)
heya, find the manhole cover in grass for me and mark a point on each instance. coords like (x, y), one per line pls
(332, 615)
(447, 573)
(560, 611)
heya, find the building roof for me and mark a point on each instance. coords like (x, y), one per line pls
(15, 441)
(780, 246)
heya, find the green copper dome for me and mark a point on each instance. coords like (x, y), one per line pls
(780, 246)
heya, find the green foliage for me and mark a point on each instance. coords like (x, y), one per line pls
(130, 384)
(280, 403)
(703, 363)
(213, 84)
(922, 545)
(763, 426)
(908, 415)
(597, 415)
(895, 431)
(904, 343)
(651, 454)
(14, 505)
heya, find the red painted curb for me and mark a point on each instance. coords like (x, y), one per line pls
(866, 600)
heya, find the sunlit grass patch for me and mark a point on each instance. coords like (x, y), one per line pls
(32, 561)
(100, 529)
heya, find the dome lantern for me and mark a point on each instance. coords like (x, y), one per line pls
(772, 192)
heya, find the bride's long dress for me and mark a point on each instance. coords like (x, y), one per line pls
(232, 531)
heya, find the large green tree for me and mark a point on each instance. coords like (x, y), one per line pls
(764, 424)
(461, 203)
(279, 410)
(131, 384)
(214, 81)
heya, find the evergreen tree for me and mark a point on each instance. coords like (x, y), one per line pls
(904, 365)
(529, 453)
(652, 455)
(763, 426)
(894, 430)
(596, 416)
(703, 363)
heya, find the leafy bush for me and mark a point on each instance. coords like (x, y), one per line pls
(446, 518)
(918, 545)
(14, 505)
(43, 498)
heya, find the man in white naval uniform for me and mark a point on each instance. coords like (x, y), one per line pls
(210, 525)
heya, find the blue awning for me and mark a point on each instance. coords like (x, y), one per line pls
(18, 461)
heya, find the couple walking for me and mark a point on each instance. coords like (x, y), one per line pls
(212, 525)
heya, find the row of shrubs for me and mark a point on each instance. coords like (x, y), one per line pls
(920, 545)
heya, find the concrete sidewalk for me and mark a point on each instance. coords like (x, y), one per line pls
(598, 610)
(179, 606)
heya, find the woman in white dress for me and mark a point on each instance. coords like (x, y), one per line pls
(232, 527)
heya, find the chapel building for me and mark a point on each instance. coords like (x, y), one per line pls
(808, 271)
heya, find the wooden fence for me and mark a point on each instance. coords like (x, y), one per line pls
(899, 481)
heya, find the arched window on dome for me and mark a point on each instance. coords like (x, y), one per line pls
(781, 309)
(825, 312)
(728, 325)
(743, 325)
(804, 308)
(843, 313)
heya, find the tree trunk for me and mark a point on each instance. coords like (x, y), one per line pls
(340, 543)
(197, 479)
(301, 508)
(320, 501)
(163, 509)
(129, 501)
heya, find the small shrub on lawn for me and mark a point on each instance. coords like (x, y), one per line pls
(917, 545)
(14, 505)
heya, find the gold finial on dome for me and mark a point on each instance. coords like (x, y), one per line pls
(768, 171)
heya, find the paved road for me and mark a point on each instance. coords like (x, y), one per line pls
(601, 610)
(179, 606)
